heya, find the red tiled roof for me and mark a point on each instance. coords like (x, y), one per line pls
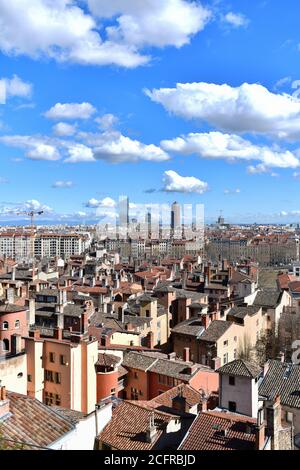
(32, 422)
(128, 426)
(207, 432)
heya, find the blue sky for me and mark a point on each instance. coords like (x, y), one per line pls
(128, 142)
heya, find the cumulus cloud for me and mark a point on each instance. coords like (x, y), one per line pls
(70, 111)
(15, 86)
(106, 121)
(63, 129)
(114, 147)
(152, 22)
(37, 148)
(236, 20)
(106, 202)
(173, 182)
(216, 145)
(67, 32)
(62, 184)
(79, 153)
(247, 108)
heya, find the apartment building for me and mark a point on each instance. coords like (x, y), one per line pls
(62, 372)
(22, 245)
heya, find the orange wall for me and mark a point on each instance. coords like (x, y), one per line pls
(105, 382)
(208, 381)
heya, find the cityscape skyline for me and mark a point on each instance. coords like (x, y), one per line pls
(123, 123)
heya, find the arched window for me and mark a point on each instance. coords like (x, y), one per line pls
(5, 325)
(17, 324)
(5, 345)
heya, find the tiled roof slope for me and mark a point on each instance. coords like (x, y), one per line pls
(282, 379)
(241, 368)
(32, 422)
(207, 433)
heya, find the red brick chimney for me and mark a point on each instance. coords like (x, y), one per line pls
(150, 338)
(205, 320)
(84, 322)
(58, 333)
(186, 354)
(4, 402)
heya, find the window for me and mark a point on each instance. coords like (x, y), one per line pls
(57, 377)
(147, 313)
(113, 391)
(29, 378)
(57, 400)
(5, 345)
(225, 343)
(20, 375)
(136, 375)
(231, 380)
(17, 324)
(52, 357)
(49, 376)
(162, 379)
(5, 325)
(235, 338)
(62, 360)
(289, 417)
(232, 406)
(225, 358)
(234, 354)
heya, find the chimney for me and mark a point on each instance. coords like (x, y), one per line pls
(260, 431)
(204, 404)
(4, 403)
(36, 334)
(172, 356)
(84, 322)
(179, 403)
(205, 320)
(58, 333)
(266, 367)
(215, 363)
(273, 415)
(281, 357)
(186, 354)
(150, 338)
(121, 315)
(151, 432)
(16, 344)
(31, 312)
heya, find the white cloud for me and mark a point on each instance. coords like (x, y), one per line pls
(37, 148)
(173, 182)
(232, 191)
(62, 184)
(107, 121)
(61, 30)
(70, 111)
(62, 129)
(152, 22)
(282, 82)
(35, 205)
(106, 202)
(236, 19)
(247, 108)
(216, 145)
(114, 147)
(44, 152)
(15, 86)
(79, 153)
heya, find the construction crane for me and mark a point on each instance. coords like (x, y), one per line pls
(32, 215)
